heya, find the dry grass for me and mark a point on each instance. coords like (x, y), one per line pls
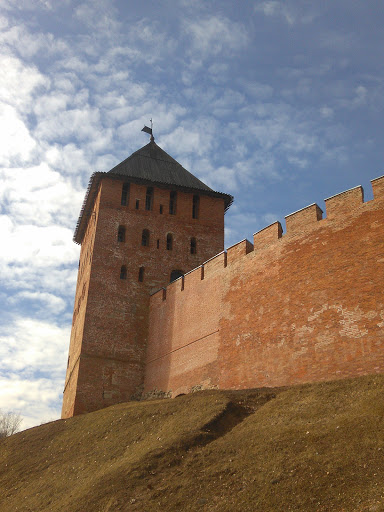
(307, 448)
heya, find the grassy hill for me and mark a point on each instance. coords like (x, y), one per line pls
(315, 447)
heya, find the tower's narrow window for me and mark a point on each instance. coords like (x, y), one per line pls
(193, 246)
(195, 207)
(175, 274)
(169, 242)
(141, 274)
(121, 234)
(158, 244)
(125, 194)
(137, 206)
(149, 198)
(123, 272)
(161, 208)
(145, 238)
(172, 203)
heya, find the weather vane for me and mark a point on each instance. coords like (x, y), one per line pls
(146, 129)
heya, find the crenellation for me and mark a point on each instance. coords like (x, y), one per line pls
(215, 264)
(304, 219)
(267, 235)
(308, 308)
(299, 314)
(175, 286)
(238, 250)
(158, 292)
(193, 277)
(378, 188)
(345, 202)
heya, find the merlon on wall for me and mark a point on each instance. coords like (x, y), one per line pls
(300, 307)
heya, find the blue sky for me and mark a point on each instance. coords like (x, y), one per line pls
(278, 103)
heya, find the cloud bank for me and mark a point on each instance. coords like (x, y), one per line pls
(278, 103)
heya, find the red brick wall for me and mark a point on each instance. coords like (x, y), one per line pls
(109, 332)
(305, 306)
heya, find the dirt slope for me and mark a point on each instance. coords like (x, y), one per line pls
(307, 448)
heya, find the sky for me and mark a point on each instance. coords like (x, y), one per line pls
(279, 103)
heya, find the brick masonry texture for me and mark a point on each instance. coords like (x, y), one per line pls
(300, 307)
(107, 352)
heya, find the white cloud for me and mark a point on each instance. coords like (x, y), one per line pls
(215, 35)
(360, 96)
(326, 112)
(224, 177)
(298, 162)
(226, 102)
(74, 99)
(273, 8)
(31, 347)
(153, 44)
(51, 104)
(18, 82)
(69, 159)
(33, 358)
(81, 123)
(48, 302)
(218, 71)
(258, 90)
(16, 142)
(99, 16)
(35, 246)
(290, 12)
(37, 401)
(29, 5)
(195, 139)
(73, 63)
(39, 196)
(28, 44)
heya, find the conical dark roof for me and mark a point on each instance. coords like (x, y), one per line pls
(149, 165)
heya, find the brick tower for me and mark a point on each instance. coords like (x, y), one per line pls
(143, 223)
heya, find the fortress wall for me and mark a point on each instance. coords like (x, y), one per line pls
(184, 349)
(304, 219)
(378, 187)
(300, 307)
(267, 236)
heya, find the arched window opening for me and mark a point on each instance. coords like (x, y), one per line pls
(123, 272)
(175, 274)
(125, 194)
(169, 242)
(195, 207)
(149, 198)
(193, 246)
(172, 203)
(141, 274)
(158, 244)
(145, 238)
(121, 234)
